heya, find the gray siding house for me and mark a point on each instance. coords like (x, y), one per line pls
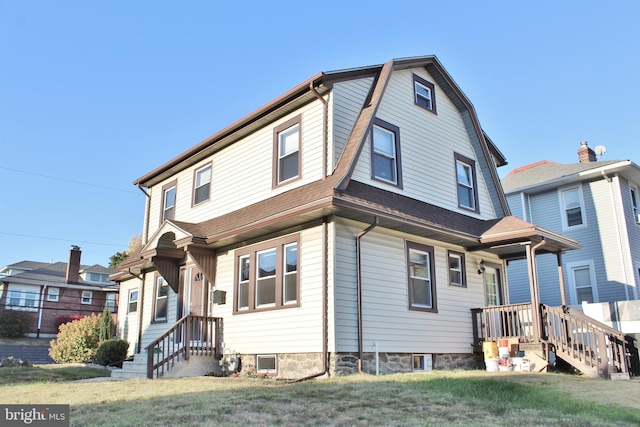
(594, 202)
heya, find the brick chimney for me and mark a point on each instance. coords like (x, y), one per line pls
(73, 266)
(586, 154)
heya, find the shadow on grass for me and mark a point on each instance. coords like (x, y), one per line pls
(399, 400)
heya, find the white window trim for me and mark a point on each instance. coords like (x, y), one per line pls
(82, 297)
(22, 303)
(110, 299)
(427, 362)
(50, 296)
(573, 295)
(563, 212)
(266, 371)
(160, 282)
(129, 300)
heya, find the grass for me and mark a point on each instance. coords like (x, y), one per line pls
(436, 398)
(49, 373)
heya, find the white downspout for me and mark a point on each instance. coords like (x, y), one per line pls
(618, 234)
(44, 291)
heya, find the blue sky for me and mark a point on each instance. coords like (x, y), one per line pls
(95, 94)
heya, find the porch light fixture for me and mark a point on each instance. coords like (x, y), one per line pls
(481, 267)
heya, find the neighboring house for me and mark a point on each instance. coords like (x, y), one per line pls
(53, 292)
(596, 203)
(358, 218)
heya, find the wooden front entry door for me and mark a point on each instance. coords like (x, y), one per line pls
(194, 293)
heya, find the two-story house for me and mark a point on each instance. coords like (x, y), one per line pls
(52, 293)
(351, 223)
(595, 202)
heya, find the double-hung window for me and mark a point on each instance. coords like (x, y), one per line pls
(424, 94)
(110, 302)
(87, 297)
(169, 201)
(286, 140)
(161, 298)
(467, 183)
(421, 277)
(267, 275)
(53, 294)
(385, 153)
(133, 301)
(582, 281)
(457, 276)
(572, 206)
(202, 185)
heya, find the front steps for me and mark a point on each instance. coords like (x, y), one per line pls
(135, 369)
(195, 366)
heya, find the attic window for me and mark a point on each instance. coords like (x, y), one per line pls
(286, 151)
(424, 94)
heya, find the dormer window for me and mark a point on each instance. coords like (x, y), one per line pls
(385, 153)
(424, 93)
(168, 201)
(467, 183)
(286, 157)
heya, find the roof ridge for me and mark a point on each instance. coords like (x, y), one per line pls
(531, 166)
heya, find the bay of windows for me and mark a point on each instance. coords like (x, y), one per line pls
(267, 275)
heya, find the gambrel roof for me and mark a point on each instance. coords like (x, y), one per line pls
(337, 193)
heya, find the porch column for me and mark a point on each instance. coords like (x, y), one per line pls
(563, 293)
(531, 266)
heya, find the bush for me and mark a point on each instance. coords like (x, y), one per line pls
(77, 341)
(60, 320)
(112, 352)
(14, 323)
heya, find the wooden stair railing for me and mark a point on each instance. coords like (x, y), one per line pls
(189, 336)
(590, 346)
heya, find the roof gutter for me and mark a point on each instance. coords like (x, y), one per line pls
(359, 237)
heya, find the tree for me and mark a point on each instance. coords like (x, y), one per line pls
(134, 244)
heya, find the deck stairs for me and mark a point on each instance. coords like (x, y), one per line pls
(591, 347)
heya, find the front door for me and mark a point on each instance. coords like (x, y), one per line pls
(493, 286)
(194, 292)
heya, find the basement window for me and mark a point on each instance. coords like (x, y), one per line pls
(266, 363)
(422, 362)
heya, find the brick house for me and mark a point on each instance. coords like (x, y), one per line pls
(54, 292)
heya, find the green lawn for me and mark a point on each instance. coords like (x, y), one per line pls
(436, 398)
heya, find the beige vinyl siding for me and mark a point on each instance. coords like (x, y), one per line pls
(386, 317)
(346, 103)
(127, 327)
(233, 183)
(428, 143)
(286, 330)
(151, 331)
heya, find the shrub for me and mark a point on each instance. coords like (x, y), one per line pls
(66, 319)
(107, 327)
(77, 341)
(112, 352)
(14, 323)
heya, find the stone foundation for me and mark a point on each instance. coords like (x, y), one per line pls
(293, 366)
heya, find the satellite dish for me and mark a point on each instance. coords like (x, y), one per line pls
(600, 150)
